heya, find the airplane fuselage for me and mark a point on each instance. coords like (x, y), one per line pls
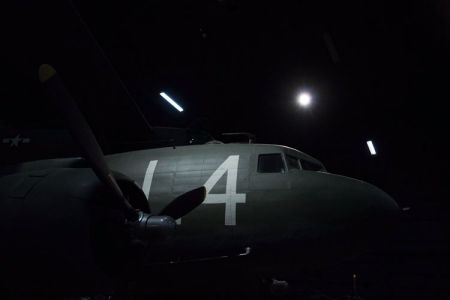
(270, 202)
(260, 198)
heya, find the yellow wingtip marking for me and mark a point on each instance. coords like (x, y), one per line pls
(46, 72)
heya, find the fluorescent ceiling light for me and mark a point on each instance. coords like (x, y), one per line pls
(371, 148)
(172, 102)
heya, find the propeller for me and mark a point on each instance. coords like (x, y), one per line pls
(93, 153)
(184, 203)
(81, 132)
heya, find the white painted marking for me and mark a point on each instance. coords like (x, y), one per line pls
(230, 198)
(149, 177)
(148, 181)
(15, 141)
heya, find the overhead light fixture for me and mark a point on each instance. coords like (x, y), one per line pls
(172, 102)
(304, 99)
(371, 148)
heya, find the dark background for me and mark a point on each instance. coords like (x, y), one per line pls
(238, 66)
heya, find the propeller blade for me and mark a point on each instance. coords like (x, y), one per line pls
(80, 130)
(185, 203)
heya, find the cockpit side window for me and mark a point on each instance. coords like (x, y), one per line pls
(270, 163)
(292, 162)
(310, 166)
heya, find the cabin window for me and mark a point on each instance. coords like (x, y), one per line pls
(310, 166)
(292, 162)
(270, 163)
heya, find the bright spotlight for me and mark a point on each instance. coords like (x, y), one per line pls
(371, 148)
(304, 99)
(172, 102)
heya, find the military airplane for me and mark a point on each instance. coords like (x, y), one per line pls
(86, 222)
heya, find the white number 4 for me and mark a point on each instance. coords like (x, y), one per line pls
(230, 198)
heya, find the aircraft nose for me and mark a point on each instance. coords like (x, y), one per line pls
(356, 199)
(377, 225)
(374, 213)
(380, 204)
(370, 219)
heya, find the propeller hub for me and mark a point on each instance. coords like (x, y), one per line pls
(149, 227)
